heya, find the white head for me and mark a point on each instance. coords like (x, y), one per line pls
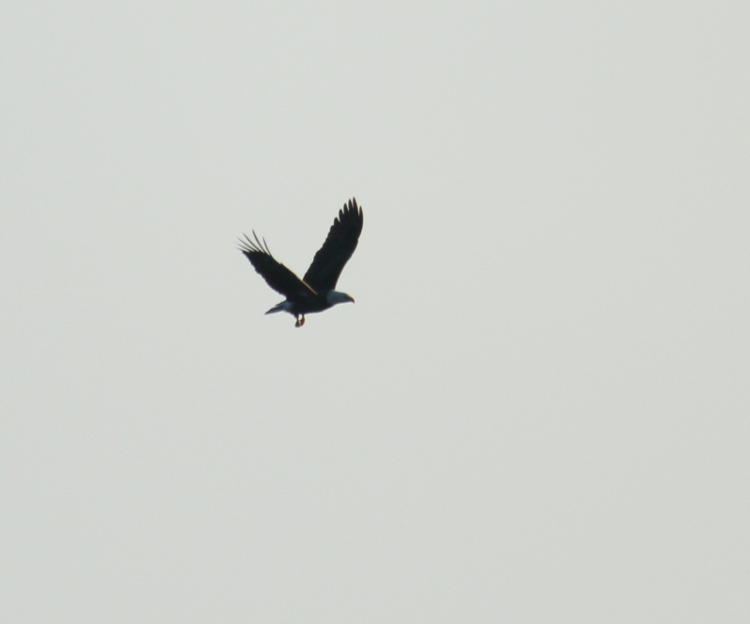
(334, 296)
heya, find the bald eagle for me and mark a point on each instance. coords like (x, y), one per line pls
(315, 291)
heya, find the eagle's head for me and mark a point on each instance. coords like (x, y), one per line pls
(334, 296)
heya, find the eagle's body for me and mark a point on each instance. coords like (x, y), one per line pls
(315, 303)
(315, 292)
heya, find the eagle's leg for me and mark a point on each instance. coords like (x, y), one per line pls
(300, 320)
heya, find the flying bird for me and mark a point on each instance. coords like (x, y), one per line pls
(315, 292)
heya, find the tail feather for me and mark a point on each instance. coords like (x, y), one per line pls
(279, 307)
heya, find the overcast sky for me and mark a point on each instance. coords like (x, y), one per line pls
(537, 409)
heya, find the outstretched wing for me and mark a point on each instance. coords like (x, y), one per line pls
(337, 249)
(276, 274)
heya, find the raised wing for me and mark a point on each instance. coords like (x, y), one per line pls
(277, 276)
(337, 249)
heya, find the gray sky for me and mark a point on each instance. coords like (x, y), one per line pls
(537, 410)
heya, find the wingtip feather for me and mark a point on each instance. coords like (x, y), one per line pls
(247, 245)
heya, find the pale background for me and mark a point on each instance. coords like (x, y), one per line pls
(537, 410)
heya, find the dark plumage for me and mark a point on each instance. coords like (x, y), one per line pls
(315, 292)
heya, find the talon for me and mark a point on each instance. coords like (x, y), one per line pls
(302, 321)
